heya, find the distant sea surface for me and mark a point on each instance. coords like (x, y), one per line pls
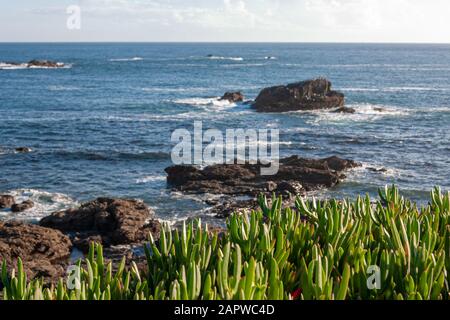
(102, 125)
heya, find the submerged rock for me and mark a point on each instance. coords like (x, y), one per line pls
(6, 201)
(305, 95)
(106, 221)
(44, 64)
(45, 252)
(23, 150)
(26, 205)
(345, 110)
(295, 175)
(233, 97)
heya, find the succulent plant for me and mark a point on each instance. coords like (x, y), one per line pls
(318, 250)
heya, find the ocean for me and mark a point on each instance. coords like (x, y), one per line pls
(102, 125)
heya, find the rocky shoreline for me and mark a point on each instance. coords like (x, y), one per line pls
(120, 224)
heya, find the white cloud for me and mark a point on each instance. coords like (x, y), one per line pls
(251, 20)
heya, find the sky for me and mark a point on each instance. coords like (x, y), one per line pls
(225, 20)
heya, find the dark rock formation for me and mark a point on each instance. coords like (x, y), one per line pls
(294, 176)
(107, 221)
(23, 150)
(44, 64)
(6, 201)
(345, 110)
(306, 95)
(233, 97)
(26, 205)
(44, 252)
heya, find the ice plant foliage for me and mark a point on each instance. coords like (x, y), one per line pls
(319, 250)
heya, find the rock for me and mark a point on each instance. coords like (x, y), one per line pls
(26, 205)
(306, 95)
(377, 170)
(233, 97)
(45, 252)
(295, 175)
(6, 201)
(44, 64)
(113, 221)
(379, 109)
(23, 150)
(345, 110)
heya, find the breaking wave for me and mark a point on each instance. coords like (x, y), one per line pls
(24, 66)
(126, 59)
(45, 203)
(226, 58)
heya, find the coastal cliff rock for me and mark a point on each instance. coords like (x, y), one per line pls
(294, 176)
(305, 95)
(106, 221)
(233, 97)
(45, 252)
(6, 201)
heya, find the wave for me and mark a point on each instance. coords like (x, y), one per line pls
(395, 89)
(149, 179)
(111, 155)
(364, 112)
(24, 66)
(126, 59)
(63, 88)
(206, 102)
(244, 65)
(45, 203)
(169, 90)
(225, 58)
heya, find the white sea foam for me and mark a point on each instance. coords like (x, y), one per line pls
(22, 66)
(207, 102)
(63, 88)
(169, 90)
(364, 112)
(395, 89)
(149, 179)
(126, 59)
(226, 58)
(45, 203)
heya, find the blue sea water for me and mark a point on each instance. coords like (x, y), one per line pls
(102, 125)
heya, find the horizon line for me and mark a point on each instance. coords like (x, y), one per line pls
(220, 42)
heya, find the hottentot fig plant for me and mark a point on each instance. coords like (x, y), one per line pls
(318, 250)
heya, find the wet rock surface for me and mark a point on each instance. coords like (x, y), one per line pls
(233, 97)
(23, 150)
(6, 201)
(345, 110)
(45, 252)
(44, 64)
(106, 221)
(301, 96)
(295, 175)
(20, 207)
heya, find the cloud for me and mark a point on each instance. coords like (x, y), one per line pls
(254, 20)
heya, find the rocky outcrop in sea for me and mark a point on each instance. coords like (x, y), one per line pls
(301, 96)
